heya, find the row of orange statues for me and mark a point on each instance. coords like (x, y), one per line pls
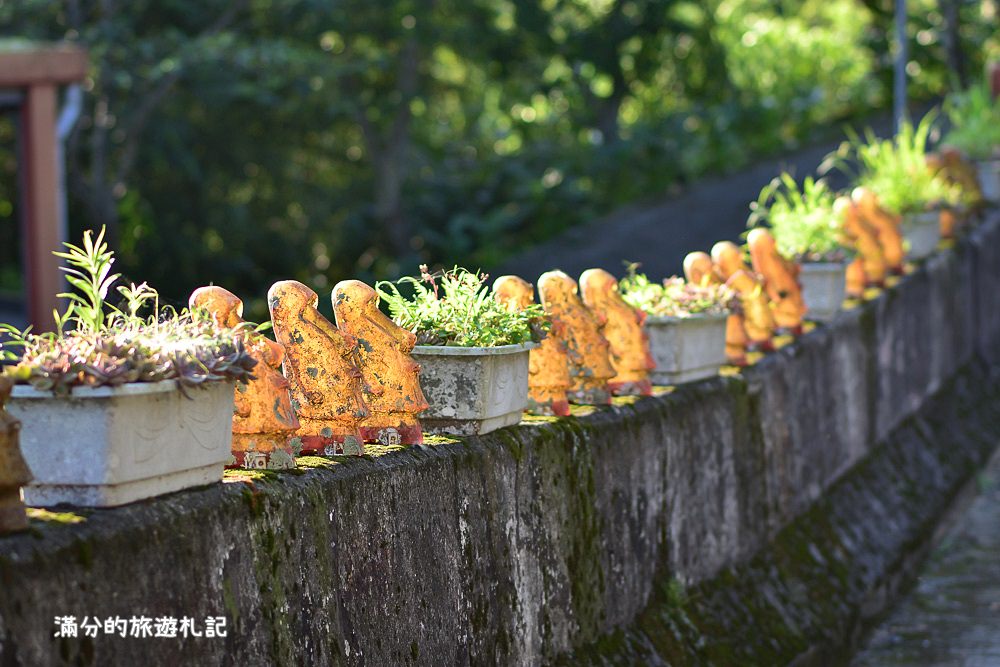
(596, 347)
(353, 381)
(343, 384)
(330, 387)
(769, 293)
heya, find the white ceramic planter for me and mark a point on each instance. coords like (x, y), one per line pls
(989, 179)
(107, 446)
(686, 348)
(922, 232)
(472, 390)
(824, 287)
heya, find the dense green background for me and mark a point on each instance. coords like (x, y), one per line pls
(239, 142)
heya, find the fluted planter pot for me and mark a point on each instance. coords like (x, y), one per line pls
(989, 179)
(922, 232)
(472, 390)
(686, 348)
(107, 446)
(823, 288)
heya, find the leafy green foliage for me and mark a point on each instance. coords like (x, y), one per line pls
(458, 308)
(111, 346)
(802, 220)
(975, 122)
(675, 297)
(896, 169)
(242, 141)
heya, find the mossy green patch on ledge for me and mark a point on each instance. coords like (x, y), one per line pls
(798, 599)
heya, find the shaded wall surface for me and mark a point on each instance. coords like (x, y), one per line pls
(755, 519)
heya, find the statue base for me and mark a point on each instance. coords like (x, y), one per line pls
(393, 432)
(263, 451)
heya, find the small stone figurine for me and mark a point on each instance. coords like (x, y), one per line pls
(589, 360)
(627, 340)
(391, 376)
(548, 365)
(758, 321)
(14, 471)
(781, 280)
(700, 270)
(886, 227)
(263, 418)
(321, 364)
(865, 242)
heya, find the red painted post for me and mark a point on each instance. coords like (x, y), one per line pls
(41, 209)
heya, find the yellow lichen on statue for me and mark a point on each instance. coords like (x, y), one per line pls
(588, 352)
(391, 376)
(548, 364)
(14, 471)
(780, 278)
(263, 418)
(627, 340)
(321, 364)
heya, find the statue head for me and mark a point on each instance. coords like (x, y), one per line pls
(224, 306)
(292, 296)
(353, 295)
(598, 286)
(515, 292)
(728, 258)
(760, 240)
(699, 269)
(556, 287)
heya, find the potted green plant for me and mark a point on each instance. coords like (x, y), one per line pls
(686, 325)
(117, 406)
(806, 230)
(472, 350)
(975, 130)
(896, 171)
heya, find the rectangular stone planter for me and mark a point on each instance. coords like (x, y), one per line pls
(988, 172)
(472, 390)
(108, 446)
(686, 348)
(823, 288)
(922, 232)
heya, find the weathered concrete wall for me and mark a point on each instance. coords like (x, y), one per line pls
(533, 542)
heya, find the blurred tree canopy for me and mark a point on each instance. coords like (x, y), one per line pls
(243, 141)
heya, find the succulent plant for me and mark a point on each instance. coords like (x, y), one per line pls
(108, 346)
(456, 307)
(675, 297)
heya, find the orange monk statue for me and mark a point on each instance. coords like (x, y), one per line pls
(700, 270)
(627, 340)
(588, 351)
(14, 471)
(263, 419)
(321, 364)
(548, 364)
(391, 376)
(865, 241)
(758, 321)
(855, 279)
(886, 226)
(781, 280)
